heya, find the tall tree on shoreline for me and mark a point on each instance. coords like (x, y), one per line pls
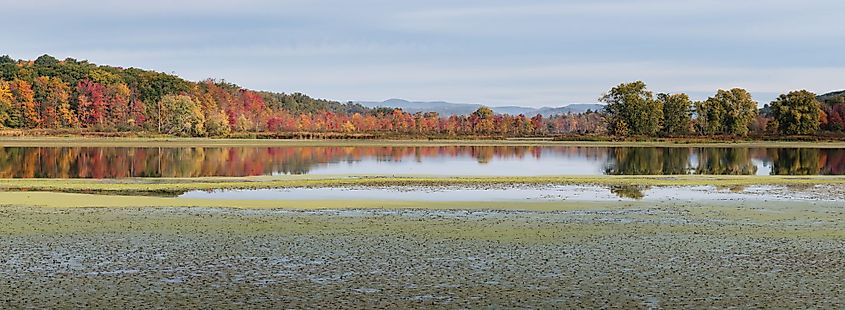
(677, 114)
(632, 110)
(729, 112)
(796, 113)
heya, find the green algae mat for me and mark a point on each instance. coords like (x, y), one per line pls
(73, 250)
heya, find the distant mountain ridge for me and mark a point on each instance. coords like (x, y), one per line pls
(449, 108)
(831, 96)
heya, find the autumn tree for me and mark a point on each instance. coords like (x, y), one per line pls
(6, 101)
(217, 124)
(92, 104)
(53, 98)
(24, 112)
(677, 113)
(537, 124)
(181, 116)
(243, 124)
(254, 110)
(119, 110)
(483, 120)
(137, 112)
(835, 116)
(632, 110)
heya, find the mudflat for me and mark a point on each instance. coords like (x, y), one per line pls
(626, 254)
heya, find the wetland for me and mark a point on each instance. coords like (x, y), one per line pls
(446, 225)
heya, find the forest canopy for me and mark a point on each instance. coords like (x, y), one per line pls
(48, 93)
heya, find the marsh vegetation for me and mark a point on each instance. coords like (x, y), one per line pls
(656, 255)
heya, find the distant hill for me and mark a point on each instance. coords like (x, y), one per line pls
(831, 97)
(448, 108)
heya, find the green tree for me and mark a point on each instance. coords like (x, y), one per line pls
(5, 59)
(181, 116)
(677, 113)
(632, 110)
(46, 60)
(729, 112)
(796, 113)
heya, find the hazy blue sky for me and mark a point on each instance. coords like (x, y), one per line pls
(533, 53)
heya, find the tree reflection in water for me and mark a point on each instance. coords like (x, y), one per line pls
(796, 161)
(629, 191)
(647, 161)
(120, 162)
(725, 161)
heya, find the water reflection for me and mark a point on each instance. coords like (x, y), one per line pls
(726, 161)
(647, 161)
(796, 162)
(119, 162)
(629, 191)
(530, 193)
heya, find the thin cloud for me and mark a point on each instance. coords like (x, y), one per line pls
(493, 51)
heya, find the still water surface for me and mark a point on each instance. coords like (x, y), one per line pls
(532, 193)
(119, 162)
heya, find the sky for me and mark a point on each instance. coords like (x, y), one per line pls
(528, 53)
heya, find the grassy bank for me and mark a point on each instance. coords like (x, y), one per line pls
(175, 186)
(208, 142)
(72, 200)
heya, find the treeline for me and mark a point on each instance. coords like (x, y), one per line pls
(48, 93)
(633, 110)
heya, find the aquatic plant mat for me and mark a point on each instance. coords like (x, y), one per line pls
(157, 252)
(177, 186)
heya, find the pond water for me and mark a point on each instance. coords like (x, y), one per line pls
(119, 162)
(532, 193)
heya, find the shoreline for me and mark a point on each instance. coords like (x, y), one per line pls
(175, 186)
(57, 201)
(51, 141)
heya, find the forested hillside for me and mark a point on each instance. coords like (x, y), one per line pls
(48, 93)
(833, 105)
